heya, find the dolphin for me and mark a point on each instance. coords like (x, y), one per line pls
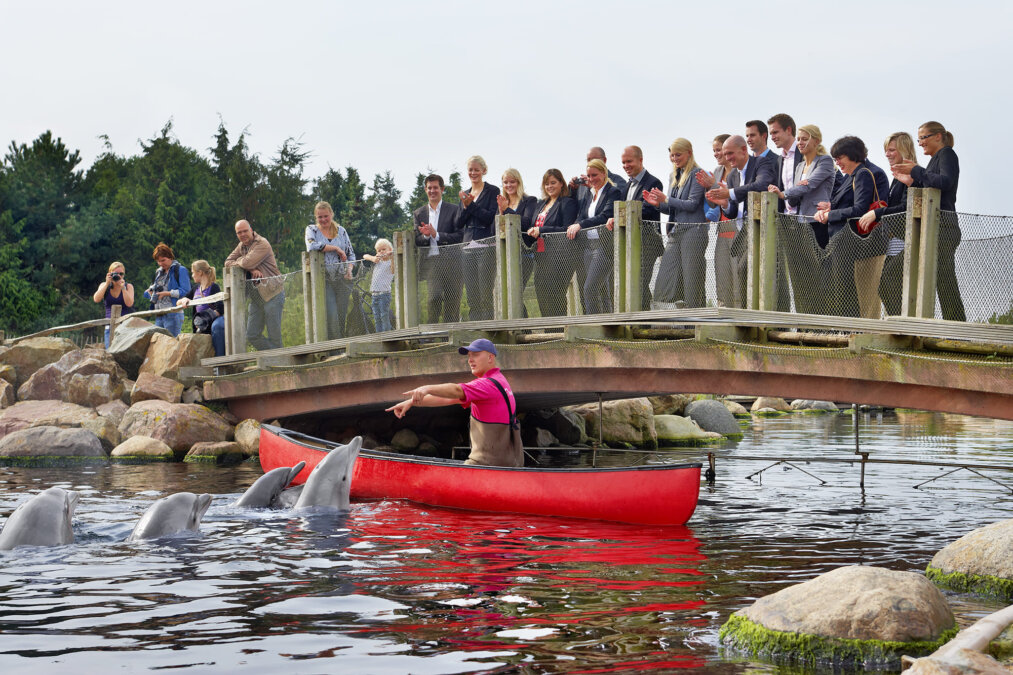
(181, 512)
(266, 489)
(331, 479)
(43, 520)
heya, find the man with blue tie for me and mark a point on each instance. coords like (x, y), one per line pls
(436, 230)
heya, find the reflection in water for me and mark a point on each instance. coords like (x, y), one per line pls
(394, 587)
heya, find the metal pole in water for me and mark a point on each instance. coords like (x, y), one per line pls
(858, 451)
(594, 453)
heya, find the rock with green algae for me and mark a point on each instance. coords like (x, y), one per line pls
(228, 452)
(142, 449)
(979, 562)
(856, 615)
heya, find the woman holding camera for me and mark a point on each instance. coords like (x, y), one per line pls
(207, 318)
(172, 282)
(115, 291)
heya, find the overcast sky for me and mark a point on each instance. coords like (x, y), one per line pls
(412, 85)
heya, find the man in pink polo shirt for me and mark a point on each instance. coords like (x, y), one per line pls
(495, 433)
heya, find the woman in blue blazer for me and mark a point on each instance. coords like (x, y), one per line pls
(478, 212)
(555, 254)
(513, 201)
(593, 210)
(683, 268)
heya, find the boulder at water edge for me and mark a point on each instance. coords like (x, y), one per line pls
(42, 443)
(405, 440)
(167, 354)
(777, 404)
(957, 662)
(628, 420)
(852, 616)
(979, 562)
(712, 415)
(565, 425)
(58, 414)
(149, 387)
(87, 377)
(676, 430)
(248, 436)
(735, 408)
(224, 452)
(130, 343)
(811, 406)
(670, 404)
(29, 355)
(143, 448)
(178, 425)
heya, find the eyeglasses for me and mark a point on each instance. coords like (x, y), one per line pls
(926, 137)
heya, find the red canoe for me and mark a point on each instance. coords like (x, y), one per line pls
(655, 495)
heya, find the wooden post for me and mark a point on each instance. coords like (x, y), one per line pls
(921, 250)
(619, 257)
(761, 284)
(406, 279)
(235, 310)
(314, 296)
(114, 316)
(507, 299)
(634, 255)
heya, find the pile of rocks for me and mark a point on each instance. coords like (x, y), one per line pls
(58, 401)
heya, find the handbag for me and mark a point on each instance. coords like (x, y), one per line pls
(876, 204)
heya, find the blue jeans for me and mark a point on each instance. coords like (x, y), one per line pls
(262, 313)
(218, 335)
(172, 322)
(381, 311)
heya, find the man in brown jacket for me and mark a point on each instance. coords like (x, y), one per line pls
(255, 255)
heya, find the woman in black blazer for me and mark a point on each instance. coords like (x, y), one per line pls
(899, 147)
(555, 254)
(593, 210)
(478, 212)
(513, 201)
(942, 173)
(683, 268)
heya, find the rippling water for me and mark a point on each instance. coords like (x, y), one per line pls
(394, 587)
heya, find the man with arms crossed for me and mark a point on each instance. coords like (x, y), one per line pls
(495, 436)
(267, 293)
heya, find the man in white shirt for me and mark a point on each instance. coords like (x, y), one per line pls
(782, 132)
(437, 231)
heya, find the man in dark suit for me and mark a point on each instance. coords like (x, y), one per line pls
(782, 132)
(578, 184)
(756, 139)
(652, 245)
(436, 232)
(749, 174)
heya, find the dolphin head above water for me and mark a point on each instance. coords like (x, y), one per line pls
(180, 512)
(329, 482)
(266, 489)
(43, 520)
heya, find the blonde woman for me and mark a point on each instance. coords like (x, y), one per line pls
(594, 208)
(207, 318)
(478, 211)
(327, 236)
(115, 291)
(683, 268)
(513, 201)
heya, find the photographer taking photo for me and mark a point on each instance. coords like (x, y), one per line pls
(172, 282)
(115, 291)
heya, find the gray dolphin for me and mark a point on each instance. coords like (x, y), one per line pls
(43, 520)
(266, 489)
(181, 512)
(331, 479)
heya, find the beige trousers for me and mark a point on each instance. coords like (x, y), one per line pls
(867, 273)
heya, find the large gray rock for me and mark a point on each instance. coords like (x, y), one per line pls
(44, 441)
(58, 414)
(167, 354)
(846, 616)
(712, 415)
(670, 404)
(248, 436)
(130, 343)
(565, 425)
(153, 387)
(178, 425)
(88, 377)
(143, 447)
(405, 440)
(29, 355)
(676, 430)
(625, 421)
(978, 562)
(773, 402)
(809, 404)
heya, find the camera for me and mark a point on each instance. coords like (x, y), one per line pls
(116, 276)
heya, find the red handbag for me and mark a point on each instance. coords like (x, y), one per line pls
(876, 204)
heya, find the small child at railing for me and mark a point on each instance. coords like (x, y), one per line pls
(379, 285)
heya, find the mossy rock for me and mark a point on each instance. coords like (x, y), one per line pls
(57, 461)
(770, 413)
(978, 584)
(744, 635)
(814, 411)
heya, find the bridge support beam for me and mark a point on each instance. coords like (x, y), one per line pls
(921, 251)
(314, 296)
(613, 332)
(406, 280)
(235, 310)
(507, 299)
